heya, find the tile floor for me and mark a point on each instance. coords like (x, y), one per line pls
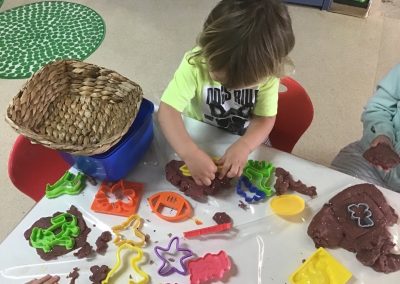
(338, 60)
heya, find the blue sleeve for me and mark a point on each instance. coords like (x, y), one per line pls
(378, 114)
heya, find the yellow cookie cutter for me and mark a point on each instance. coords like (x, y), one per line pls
(135, 222)
(133, 263)
(185, 170)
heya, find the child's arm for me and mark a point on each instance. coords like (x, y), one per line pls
(378, 114)
(235, 157)
(200, 165)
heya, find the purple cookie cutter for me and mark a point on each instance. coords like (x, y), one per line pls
(166, 263)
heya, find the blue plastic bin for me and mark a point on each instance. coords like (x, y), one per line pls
(116, 163)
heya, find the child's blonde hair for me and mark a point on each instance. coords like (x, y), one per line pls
(247, 39)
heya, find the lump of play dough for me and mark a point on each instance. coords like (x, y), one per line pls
(357, 219)
(99, 273)
(101, 242)
(284, 182)
(188, 185)
(382, 155)
(222, 218)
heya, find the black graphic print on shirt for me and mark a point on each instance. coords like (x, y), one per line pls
(228, 109)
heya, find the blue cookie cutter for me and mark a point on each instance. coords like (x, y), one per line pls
(258, 194)
(364, 222)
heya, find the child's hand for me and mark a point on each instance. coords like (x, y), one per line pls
(234, 159)
(48, 279)
(381, 154)
(201, 167)
(381, 139)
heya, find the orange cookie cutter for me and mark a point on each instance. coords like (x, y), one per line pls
(135, 223)
(171, 200)
(132, 191)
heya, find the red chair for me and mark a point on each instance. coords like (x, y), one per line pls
(32, 166)
(295, 114)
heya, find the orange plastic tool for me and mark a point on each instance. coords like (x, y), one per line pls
(131, 191)
(171, 200)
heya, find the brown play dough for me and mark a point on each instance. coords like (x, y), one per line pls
(60, 250)
(101, 242)
(188, 185)
(382, 155)
(85, 251)
(99, 273)
(222, 218)
(284, 182)
(333, 227)
(73, 275)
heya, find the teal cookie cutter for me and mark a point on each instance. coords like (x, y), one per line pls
(259, 173)
(46, 239)
(69, 183)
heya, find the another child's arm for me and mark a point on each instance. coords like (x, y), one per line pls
(201, 166)
(235, 157)
(378, 114)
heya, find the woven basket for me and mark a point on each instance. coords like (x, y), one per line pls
(75, 107)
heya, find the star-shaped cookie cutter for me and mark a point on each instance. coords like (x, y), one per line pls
(364, 222)
(133, 262)
(167, 264)
(135, 223)
(130, 191)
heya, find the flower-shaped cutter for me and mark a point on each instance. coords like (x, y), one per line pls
(131, 190)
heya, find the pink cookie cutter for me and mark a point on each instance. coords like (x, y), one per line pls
(209, 267)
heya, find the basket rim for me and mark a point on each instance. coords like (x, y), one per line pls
(90, 149)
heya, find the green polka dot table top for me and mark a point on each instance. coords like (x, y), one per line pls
(36, 34)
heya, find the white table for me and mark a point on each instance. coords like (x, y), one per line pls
(263, 247)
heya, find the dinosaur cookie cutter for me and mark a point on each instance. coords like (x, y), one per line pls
(69, 183)
(258, 194)
(46, 239)
(365, 221)
(259, 173)
(133, 263)
(171, 200)
(173, 247)
(127, 201)
(135, 223)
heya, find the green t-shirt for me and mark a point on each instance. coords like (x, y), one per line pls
(193, 92)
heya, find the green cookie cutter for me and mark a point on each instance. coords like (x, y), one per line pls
(259, 173)
(67, 184)
(46, 239)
